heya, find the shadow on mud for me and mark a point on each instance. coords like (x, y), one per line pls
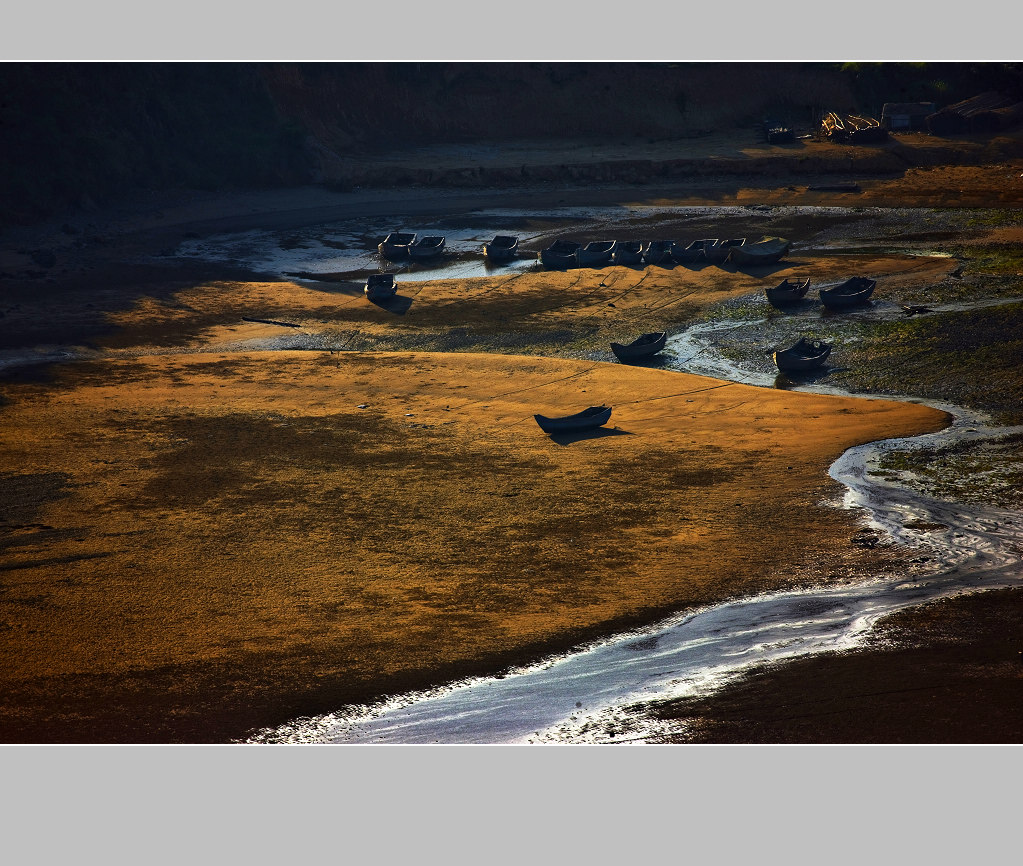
(567, 438)
(787, 381)
(397, 304)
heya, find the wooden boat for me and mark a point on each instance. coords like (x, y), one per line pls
(852, 293)
(763, 252)
(719, 249)
(657, 252)
(560, 254)
(595, 254)
(627, 253)
(595, 416)
(380, 286)
(802, 355)
(787, 292)
(426, 247)
(688, 253)
(395, 245)
(501, 248)
(644, 346)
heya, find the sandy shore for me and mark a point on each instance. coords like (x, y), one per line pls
(202, 537)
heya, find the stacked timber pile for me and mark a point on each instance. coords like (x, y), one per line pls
(853, 128)
(987, 112)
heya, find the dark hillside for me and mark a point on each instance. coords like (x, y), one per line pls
(75, 133)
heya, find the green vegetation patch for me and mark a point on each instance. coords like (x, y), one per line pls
(982, 472)
(971, 358)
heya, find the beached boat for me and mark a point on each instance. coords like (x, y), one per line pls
(395, 245)
(787, 292)
(718, 249)
(380, 286)
(595, 254)
(426, 247)
(644, 346)
(595, 416)
(852, 293)
(627, 253)
(766, 251)
(501, 248)
(561, 254)
(657, 252)
(686, 254)
(802, 355)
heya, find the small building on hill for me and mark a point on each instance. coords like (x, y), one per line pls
(906, 115)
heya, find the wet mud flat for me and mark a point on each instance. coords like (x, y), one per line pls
(248, 649)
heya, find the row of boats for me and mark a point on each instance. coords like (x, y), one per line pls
(740, 251)
(563, 253)
(854, 292)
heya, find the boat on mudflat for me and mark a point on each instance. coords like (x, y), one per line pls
(501, 248)
(395, 245)
(657, 252)
(627, 253)
(560, 254)
(594, 416)
(854, 292)
(787, 292)
(766, 251)
(426, 247)
(644, 346)
(802, 355)
(595, 254)
(694, 251)
(719, 249)
(379, 286)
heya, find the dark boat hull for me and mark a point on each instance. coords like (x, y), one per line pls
(852, 293)
(759, 253)
(379, 287)
(657, 252)
(627, 253)
(804, 355)
(426, 248)
(787, 292)
(645, 346)
(588, 419)
(501, 249)
(594, 255)
(719, 250)
(396, 245)
(691, 252)
(559, 255)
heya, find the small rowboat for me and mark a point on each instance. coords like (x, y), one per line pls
(595, 416)
(380, 286)
(657, 252)
(595, 254)
(718, 250)
(763, 252)
(854, 292)
(787, 292)
(691, 252)
(627, 253)
(501, 248)
(560, 254)
(426, 247)
(802, 355)
(643, 346)
(395, 245)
